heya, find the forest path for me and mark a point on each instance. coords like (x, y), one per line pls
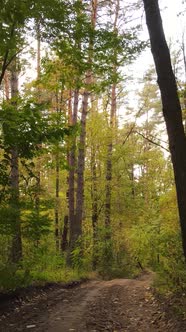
(120, 305)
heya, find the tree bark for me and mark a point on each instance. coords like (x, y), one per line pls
(7, 86)
(109, 160)
(70, 184)
(71, 178)
(38, 163)
(184, 91)
(57, 202)
(16, 249)
(171, 106)
(77, 211)
(94, 198)
(64, 240)
(112, 126)
(108, 250)
(81, 168)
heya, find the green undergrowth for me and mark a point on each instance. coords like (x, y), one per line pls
(46, 269)
(170, 287)
(118, 272)
(41, 268)
(21, 278)
(171, 280)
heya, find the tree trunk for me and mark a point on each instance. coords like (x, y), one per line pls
(7, 85)
(109, 164)
(38, 32)
(16, 249)
(64, 240)
(94, 198)
(80, 169)
(38, 163)
(71, 178)
(57, 203)
(171, 106)
(76, 212)
(184, 91)
(132, 179)
(70, 184)
(112, 126)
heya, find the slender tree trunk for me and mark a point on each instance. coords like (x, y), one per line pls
(38, 32)
(94, 197)
(76, 212)
(57, 172)
(94, 8)
(7, 85)
(109, 162)
(108, 252)
(59, 241)
(171, 106)
(110, 145)
(64, 240)
(16, 249)
(94, 186)
(57, 203)
(81, 151)
(71, 178)
(64, 244)
(81, 168)
(72, 165)
(132, 178)
(38, 163)
(94, 191)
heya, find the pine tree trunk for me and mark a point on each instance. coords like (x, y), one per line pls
(81, 152)
(94, 189)
(64, 243)
(57, 204)
(58, 101)
(16, 249)
(110, 145)
(94, 198)
(109, 163)
(64, 240)
(171, 106)
(7, 86)
(38, 163)
(38, 32)
(76, 212)
(132, 178)
(80, 169)
(71, 178)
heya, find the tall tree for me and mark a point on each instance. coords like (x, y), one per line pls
(71, 177)
(86, 94)
(112, 127)
(171, 106)
(76, 228)
(16, 249)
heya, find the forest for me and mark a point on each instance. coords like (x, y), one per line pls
(90, 182)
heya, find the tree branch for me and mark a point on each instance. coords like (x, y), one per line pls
(151, 141)
(7, 62)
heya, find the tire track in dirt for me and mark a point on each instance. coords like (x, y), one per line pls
(120, 305)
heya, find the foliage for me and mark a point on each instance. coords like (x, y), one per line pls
(30, 128)
(144, 230)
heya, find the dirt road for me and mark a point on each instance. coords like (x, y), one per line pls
(120, 305)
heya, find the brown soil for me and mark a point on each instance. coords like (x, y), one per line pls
(120, 305)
